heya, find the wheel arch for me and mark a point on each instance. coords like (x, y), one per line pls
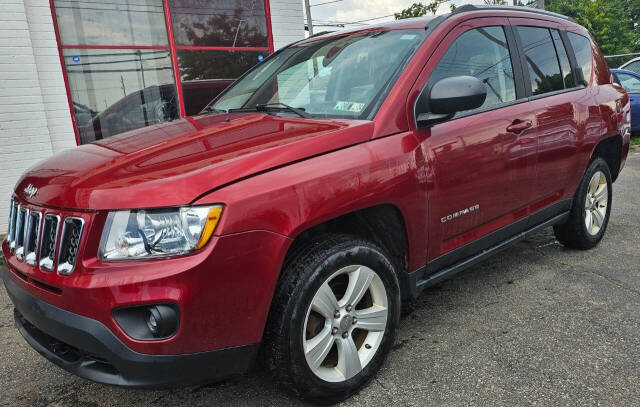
(383, 225)
(610, 150)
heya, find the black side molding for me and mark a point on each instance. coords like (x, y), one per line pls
(450, 264)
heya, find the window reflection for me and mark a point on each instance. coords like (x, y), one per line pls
(564, 59)
(114, 22)
(582, 49)
(542, 61)
(114, 91)
(482, 53)
(205, 74)
(222, 23)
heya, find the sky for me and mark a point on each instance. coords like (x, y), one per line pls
(357, 10)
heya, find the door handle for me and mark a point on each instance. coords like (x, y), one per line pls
(518, 126)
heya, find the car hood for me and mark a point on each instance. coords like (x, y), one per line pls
(175, 163)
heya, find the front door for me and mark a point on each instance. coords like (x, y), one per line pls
(482, 161)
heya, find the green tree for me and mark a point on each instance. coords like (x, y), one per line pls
(613, 23)
(419, 9)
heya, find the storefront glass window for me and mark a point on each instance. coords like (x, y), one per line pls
(204, 74)
(222, 23)
(119, 58)
(113, 22)
(114, 91)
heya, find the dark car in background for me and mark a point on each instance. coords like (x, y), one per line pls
(152, 105)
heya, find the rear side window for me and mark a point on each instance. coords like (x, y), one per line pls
(542, 61)
(630, 83)
(483, 53)
(634, 66)
(565, 66)
(582, 48)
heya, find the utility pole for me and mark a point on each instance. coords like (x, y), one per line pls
(308, 11)
(541, 4)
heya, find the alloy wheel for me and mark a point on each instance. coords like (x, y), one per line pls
(345, 323)
(596, 202)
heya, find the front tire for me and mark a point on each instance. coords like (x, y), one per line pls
(590, 211)
(333, 319)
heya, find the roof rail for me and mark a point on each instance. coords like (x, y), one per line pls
(472, 7)
(319, 34)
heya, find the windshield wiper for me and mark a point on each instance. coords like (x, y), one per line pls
(265, 107)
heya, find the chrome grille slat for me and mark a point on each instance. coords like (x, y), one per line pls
(21, 231)
(12, 225)
(32, 237)
(70, 238)
(49, 241)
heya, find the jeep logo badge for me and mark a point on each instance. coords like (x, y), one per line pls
(30, 191)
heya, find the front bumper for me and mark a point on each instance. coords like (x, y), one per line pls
(87, 348)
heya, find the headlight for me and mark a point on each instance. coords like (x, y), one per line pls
(138, 234)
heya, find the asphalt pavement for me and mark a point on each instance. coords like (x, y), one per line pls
(536, 324)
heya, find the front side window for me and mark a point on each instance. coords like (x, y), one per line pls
(339, 77)
(582, 48)
(629, 82)
(483, 53)
(542, 61)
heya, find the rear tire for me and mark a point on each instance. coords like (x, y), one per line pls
(333, 318)
(590, 211)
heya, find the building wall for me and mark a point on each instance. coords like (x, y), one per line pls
(35, 121)
(287, 20)
(34, 112)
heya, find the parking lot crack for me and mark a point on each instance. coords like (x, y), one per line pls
(579, 269)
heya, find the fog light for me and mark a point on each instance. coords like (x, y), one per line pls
(148, 322)
(152, 321)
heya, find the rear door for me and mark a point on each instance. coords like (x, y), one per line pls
(482, 161)
(560, 101)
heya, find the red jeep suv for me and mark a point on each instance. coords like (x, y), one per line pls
(343, 174)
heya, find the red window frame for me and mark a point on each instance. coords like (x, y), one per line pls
(172, 48)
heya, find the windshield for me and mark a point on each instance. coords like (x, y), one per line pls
(341, 77)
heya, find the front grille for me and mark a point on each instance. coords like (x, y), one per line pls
(70, 243)
(49, 241)
(44, 238)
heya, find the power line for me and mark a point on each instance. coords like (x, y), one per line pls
(326, 2)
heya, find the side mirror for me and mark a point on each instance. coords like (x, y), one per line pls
(449, 96)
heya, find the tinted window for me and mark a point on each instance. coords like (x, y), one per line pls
(582, 48)
(114, 22)
(228, 23)
(114, 91)
(482, 53)
(629, 82)
(542, 61)
(565, 66)
(634, 66)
